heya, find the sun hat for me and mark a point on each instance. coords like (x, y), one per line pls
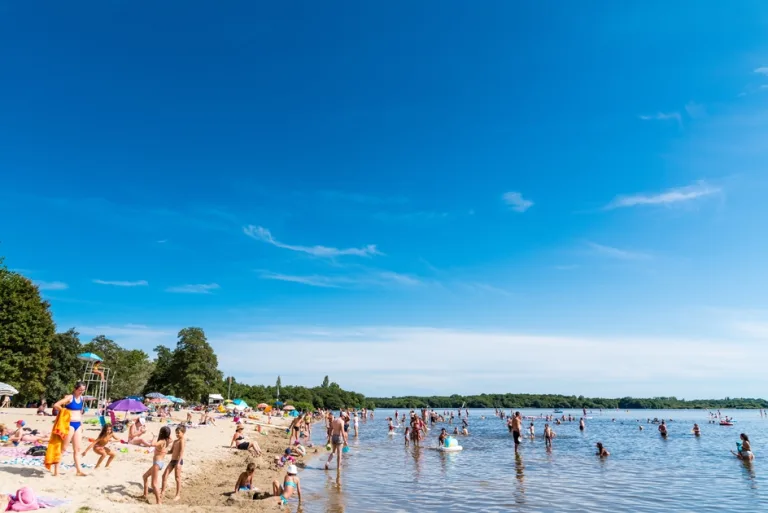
(292, 470)
(21, 423)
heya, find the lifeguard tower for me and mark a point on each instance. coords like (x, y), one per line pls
(95, 385)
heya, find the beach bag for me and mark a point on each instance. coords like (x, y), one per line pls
(38, 450)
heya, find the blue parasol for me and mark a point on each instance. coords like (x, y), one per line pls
(89, 357)
(155, 395)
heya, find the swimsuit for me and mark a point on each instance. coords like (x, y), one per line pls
(159, 464)
(516, 436)
(75, 405)
(337, 439)
(173, 463)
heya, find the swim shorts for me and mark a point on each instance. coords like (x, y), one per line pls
(173, 464)
(337, 439)
(516, 436)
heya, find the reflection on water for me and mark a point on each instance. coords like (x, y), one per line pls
(644, 473)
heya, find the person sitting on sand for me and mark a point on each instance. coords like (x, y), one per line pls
(602, 451)
(189, 418)
(161, 447)
(245, 481)
(41, 408)
(696, 430)
(290, 484)
(239, 441)
(100, 446)
(135, 432)
(744, 448)
(18, 436)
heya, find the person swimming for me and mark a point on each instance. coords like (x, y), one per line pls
(696, 430)
(744, 448)
(601, 451)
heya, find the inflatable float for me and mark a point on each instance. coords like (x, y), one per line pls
(450, 445)
(724, 423)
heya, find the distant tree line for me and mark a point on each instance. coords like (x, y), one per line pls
(508, 401)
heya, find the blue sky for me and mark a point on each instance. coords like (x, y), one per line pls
(430, 198)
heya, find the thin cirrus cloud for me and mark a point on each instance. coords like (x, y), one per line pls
(374, 278)
(138, 283)
(617, 253)
(516, 201)
(51, 285)
(264, 235)
(663, 116)
(762, 70)
(668, 197)
(203, 288)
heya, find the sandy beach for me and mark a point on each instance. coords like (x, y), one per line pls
(210, 471)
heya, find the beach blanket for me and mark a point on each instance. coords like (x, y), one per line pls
(58, 435)
(31, 461)
(13, 451)
(42, 502)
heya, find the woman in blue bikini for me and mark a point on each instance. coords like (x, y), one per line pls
(74, 403)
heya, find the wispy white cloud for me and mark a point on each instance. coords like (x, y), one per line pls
(262, 234)
(51, 285)
(516, 202)
(139, 283)
(668, 197)
(762, 70)
(204, 288)
(372, 278)
(617, 253)
(663, 116)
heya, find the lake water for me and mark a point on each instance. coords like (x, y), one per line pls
(644, 473)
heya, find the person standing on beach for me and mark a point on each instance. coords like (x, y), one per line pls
(177, 462)
(338, 439)
(517, 428)
(74, 404)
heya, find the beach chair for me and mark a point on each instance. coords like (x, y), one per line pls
(117, 426)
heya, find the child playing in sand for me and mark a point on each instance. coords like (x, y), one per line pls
(100, 446)
(177, 461)
(161, 446)
(245, 481)
(290, 483)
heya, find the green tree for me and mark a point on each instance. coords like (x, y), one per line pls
(196, 365)
(163, 378)
(26, 332)
(325, 382)
(278, 383)
(65, 369)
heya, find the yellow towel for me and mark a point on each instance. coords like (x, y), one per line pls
(59, 433)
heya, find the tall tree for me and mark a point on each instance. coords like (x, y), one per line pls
(163, 378)
(26, 331)
(325, 382)
(196, 365)
(65, 369)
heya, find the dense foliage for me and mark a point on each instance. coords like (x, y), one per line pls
(328, 395)
(561, 401)
(26, 333)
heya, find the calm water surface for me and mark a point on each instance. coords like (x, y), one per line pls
(643, 473)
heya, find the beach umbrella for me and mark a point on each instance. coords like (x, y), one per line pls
(6, 389)
(174, 399)
(135, 397)
(289, 408)
(278, 403)
(238, 401)
(241, 404)
(155, 395)
(89, 357)
(293, 413)
(127, 405)
(261, 406)
(160, 400)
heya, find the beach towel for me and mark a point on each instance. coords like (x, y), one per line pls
(27, 499)
(58, 435)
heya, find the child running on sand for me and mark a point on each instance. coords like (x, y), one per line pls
(177, 461)
(245, 481)
(290, 483)
(161, 446)
(100, 446)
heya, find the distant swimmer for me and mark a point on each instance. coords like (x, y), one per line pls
(663, 429)
(532, 431)
(456, 431)
(548, 436)
(464, 431)
(696, 430)
(602, 451)
(407, 436)
(744, 448)
(581, 424)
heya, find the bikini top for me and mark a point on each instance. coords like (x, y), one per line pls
(74, 404)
